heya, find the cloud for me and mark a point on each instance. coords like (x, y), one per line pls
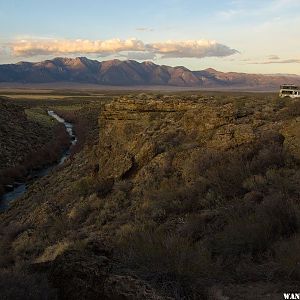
(135, 48)
(284, 3)
(229, 14)
(278, 61)
(273, 57)
(140, 55)
(248, 10)
(191, 48)
(144, 29)
(58, 47)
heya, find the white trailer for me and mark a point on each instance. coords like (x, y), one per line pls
(289, 90)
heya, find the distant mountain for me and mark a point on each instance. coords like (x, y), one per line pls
(130, 73)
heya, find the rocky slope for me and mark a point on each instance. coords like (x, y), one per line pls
(129, 73)
(29, 139)
(14, 126)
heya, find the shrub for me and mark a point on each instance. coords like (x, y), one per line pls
(26, 246)
(84, 186)
(254, 233)
(80, 212)
(160, 203)
(287, 255)
(293, 109)
(281, 214)
(104, 187)
(168, 260)
(7, 235)
(20, 285)
(223, 170)
(51, 252)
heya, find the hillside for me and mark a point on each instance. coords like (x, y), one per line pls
(132, 73)
(29, 139)
(172, 197)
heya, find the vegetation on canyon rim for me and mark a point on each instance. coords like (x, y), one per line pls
(167, 196)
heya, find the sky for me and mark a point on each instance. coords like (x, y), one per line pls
(252, 36)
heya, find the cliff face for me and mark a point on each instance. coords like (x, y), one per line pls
(136, 134)
(186, 155)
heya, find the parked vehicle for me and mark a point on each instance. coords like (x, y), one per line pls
(289, 90)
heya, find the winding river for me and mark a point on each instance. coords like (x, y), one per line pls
(19, 188)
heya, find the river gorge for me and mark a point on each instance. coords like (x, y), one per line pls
(19, 188)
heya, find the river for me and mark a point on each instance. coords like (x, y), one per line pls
(19, 188)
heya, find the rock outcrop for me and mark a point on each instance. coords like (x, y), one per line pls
(88, 275)
(137, 133)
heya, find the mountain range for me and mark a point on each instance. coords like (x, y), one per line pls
(132, 73)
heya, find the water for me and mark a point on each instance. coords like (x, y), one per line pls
(69, 129)
(20, 188)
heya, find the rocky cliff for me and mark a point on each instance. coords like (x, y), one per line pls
(200, 171)
(134, 132)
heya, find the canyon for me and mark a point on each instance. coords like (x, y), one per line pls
(169, 197)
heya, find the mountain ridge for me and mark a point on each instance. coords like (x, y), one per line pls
(132, 73)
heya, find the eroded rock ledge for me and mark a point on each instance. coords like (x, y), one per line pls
(134, 132)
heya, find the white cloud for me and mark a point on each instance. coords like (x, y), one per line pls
(277, 61)
(257, 9)
(57, 47)
(140, 55)
(135, 48)
(277, 4)
(191, 48)
(229, 14)
(273, 57)
(144, 29)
